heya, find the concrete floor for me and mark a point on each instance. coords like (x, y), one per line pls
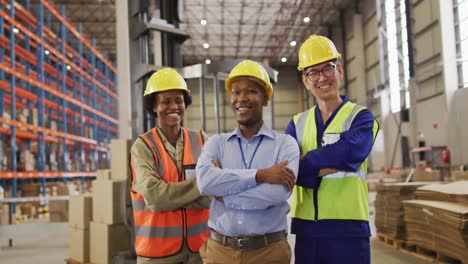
(47, 243)
(50, 246)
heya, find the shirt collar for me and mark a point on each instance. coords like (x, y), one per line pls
(264, 130)
(164, 139)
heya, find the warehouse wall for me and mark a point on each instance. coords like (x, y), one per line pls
(289, 97)
(459, 141)
(436, 101)
(193, 114)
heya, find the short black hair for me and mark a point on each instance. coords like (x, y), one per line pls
(150, 100)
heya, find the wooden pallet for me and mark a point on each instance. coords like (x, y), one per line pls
(429, 254)
(391, 241)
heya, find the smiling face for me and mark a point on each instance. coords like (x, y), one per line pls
(247, 101)
(326, 86)
(170, 108)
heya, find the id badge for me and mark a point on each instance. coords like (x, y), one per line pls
(189, 171)
(330, 139)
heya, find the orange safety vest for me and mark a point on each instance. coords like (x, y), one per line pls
(162, 234)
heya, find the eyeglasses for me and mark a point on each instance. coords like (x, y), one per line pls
(327, 71)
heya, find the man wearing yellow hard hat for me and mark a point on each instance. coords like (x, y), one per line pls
(169, 212)
(250, 172)
(330, 213)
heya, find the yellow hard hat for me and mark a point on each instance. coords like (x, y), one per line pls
(164, 80)
(248, 68)
(315, 50)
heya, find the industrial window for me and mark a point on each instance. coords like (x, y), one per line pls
(397, 53)
(461, 32)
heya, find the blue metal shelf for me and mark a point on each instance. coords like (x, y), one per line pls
(60, 95)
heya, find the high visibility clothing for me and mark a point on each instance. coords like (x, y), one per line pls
(162, 234)
(341, 195)
(315, 50)
(164, 80)
(253, 70)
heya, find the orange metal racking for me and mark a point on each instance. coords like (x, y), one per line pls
(57, 96)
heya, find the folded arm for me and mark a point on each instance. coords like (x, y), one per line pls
(347, 154)
(217, 181)
(266, 194)
(159, 196)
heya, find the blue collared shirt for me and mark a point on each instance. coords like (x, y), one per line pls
(249, 208)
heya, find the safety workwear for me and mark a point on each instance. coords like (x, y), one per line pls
(164, 80)
(162, 234)
(315, 50)
(248, 69)
(342, 195)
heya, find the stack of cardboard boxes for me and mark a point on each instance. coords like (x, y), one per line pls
(108, 233)
(80, 214)
(58, 209)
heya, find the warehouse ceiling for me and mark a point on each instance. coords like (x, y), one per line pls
(97, 18)
(261, 30)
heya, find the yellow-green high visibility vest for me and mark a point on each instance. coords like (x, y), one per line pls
(341, 195)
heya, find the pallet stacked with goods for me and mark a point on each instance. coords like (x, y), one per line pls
(58, 100)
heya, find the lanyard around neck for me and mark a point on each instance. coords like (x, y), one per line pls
(253, 155)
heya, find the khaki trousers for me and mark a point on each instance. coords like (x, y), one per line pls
(278, 252)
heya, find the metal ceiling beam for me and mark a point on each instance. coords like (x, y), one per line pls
(241, 23)
(256, 27)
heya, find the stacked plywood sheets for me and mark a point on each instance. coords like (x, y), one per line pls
(438, 226)
(389, 207)
(455, 192)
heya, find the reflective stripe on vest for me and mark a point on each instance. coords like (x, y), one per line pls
(341, 174)
(341, 195)
(162, 234)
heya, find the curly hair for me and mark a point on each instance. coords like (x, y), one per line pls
(150, 100)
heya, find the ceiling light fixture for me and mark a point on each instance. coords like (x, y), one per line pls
(206, 45)
(203, 22)
(68, 67)
(15, 30)
(306, 19)
(207, 61)
(293, 43)
(47, 52)
(284, 59)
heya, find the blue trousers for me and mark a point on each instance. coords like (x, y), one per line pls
(349, 250)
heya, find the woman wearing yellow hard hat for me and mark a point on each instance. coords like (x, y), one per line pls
(330, 212)
(169, 212)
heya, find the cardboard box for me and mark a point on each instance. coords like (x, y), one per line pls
(459, 175)
(58, 211)
(120, 158)
(4, 211)
(80, 211)
(106, 240)
(78, 244)
(426, 175)
(109, 201)
(103, 175)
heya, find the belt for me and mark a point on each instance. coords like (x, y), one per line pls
(248, 243)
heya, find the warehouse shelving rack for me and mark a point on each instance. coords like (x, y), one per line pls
(58, 97)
